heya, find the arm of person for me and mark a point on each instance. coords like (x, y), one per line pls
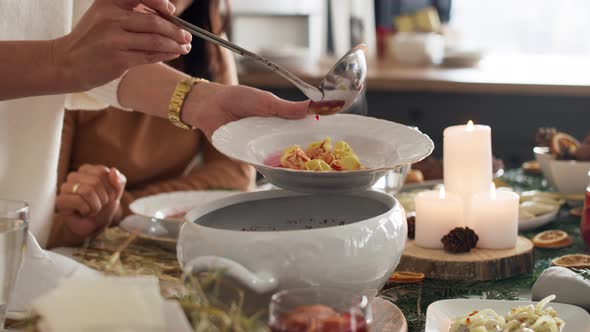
(109, 38)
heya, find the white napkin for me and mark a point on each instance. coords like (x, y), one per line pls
(41, 272)
(568, 286)
(103, 304)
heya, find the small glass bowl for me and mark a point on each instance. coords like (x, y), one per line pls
(319, 310)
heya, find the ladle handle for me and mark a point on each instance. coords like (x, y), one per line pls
(310, 91)
(261, 283)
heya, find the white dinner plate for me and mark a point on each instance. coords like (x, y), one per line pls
(150, 214)
(440, 314)
(161, 205)
(537, 221)
(380, 145)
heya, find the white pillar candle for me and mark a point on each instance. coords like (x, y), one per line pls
(437, 213)
(493, 215)
(467, 159)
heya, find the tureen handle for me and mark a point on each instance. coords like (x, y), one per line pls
(259, 282)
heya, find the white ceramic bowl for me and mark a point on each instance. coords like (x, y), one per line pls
(381, 146)
(414, 49)
(351, 241)
(567, 176)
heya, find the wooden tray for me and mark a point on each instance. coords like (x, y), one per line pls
(387, 317)
(478, 264)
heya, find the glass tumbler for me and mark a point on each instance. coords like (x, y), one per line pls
(14, 223)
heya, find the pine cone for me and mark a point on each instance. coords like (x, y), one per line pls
(411, 227)
(544, 136)
(460, 239)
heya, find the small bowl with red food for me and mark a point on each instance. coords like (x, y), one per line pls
(320, 310)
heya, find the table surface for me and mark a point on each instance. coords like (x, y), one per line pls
(536, 75)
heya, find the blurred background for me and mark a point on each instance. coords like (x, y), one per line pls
(515, 65)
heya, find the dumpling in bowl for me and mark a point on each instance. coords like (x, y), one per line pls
(342, 148)
(317, 148)
(327, 157)
(347, 162)
(317, 165)
(294, 157)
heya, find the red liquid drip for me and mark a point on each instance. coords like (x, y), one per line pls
(585, 225)
(317, 117)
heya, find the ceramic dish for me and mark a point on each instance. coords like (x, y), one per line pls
(567, 176)
(351, 241)
(151, 214)
(380, 145)
(440, 314)
(538, 221)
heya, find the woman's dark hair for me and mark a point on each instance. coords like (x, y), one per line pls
(204, 58)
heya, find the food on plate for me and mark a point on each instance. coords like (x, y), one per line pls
(320, 156)
(319, 318)
(294, 157)
(529, 318)
(532, 167)
(579, 261)
(577, 211)
(563, 146)
(552, 239)
(544, 136)
(407, 277)
(414, 176)
(459, 240)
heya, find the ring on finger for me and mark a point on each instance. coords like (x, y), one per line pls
(75, 187)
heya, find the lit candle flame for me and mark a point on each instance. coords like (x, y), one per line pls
(493, 191)
(470, 125)
(441, 192)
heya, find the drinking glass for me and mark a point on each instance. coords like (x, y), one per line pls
(319, 310)
(14, 223)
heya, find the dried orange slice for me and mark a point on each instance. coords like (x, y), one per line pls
(552, 239)
(579, 261)
(577, 211)
(563, 144)
(532, 167)
(406, 277)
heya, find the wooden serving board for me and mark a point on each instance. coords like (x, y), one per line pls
(478, 264)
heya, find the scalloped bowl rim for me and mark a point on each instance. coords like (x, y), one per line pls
(225, 132)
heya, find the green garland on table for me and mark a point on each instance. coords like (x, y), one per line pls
(414, 299)
(584, 273)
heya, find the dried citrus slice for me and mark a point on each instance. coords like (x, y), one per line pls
(563, 144)
(532, 167)
(577, 211)
(552, 239)
(406, 277)
(579, 261)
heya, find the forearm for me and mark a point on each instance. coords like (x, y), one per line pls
(148, 88)
(29, 69)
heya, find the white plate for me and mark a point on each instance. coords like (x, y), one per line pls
(150, 212)
(440, 314)
(158, 206)
(538, 221)
(381, 146)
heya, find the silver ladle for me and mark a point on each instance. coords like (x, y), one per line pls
(339, 89)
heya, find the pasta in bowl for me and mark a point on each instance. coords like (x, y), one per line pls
(379, 147)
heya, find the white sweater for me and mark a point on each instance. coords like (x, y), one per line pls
(30, 128)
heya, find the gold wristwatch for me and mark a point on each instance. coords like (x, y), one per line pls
(177, 101)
